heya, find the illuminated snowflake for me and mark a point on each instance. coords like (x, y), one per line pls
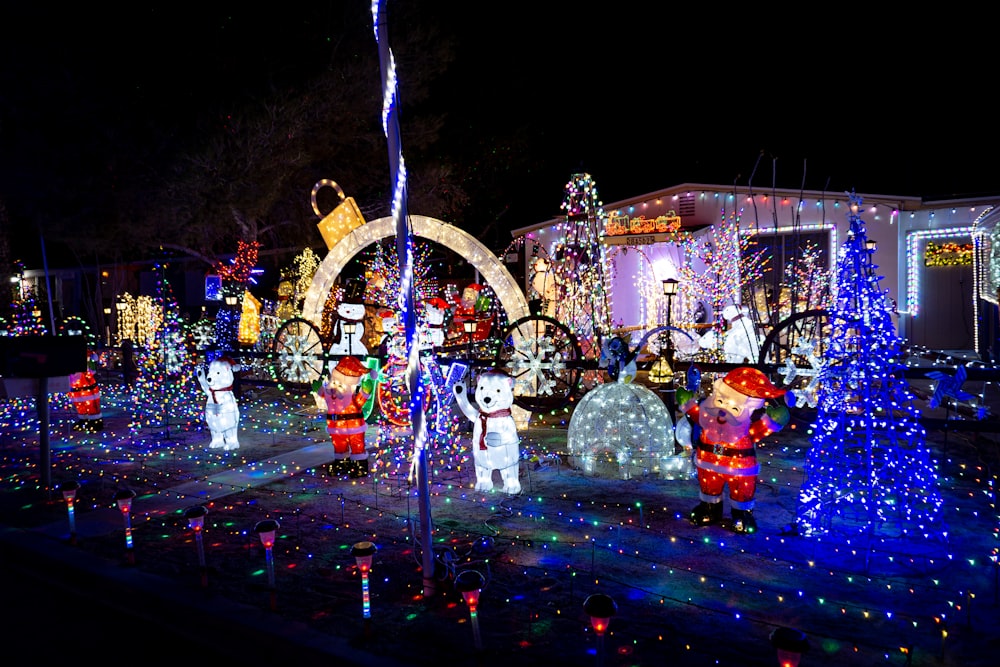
(297, 364)
(809, 394)
(534, 365)
(203, 334)
(174, 353)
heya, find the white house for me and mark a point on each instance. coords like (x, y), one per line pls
(924, 252)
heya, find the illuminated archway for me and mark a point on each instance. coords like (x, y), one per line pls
(491, 269)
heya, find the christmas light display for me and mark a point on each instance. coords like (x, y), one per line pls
(916, 243)
(165, 390)
(637, 535)
(720, 270)
(222, 411)
(139, 319)
(622, 429)
(85, 395)
(725, 428)
(345, 393)
(580, 264)
(495, 443)
(26, 314)
(869, 470)
(492, 271)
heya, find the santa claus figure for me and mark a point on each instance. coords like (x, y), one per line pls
(85, 395)
(467, 307)
(725, 428)
(346, 391)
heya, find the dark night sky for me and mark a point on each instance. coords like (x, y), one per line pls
(641, 101)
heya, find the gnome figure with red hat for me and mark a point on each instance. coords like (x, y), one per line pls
(345, 392)
(725, 429)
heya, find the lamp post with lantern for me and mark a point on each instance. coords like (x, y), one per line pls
(670, 291)
(470, 325)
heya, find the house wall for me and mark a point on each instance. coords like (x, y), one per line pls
(901, 226)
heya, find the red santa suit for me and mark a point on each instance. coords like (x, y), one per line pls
(729, 425)
(85, 395)
(345, 395)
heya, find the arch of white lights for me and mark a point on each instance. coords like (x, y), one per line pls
(490, 268)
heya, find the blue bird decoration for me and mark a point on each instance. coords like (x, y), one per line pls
(949, 386)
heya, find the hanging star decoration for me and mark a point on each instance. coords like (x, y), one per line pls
(949, 386)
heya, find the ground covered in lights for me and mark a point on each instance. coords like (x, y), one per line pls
(684, 595)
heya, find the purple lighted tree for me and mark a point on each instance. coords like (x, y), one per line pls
(869, 470)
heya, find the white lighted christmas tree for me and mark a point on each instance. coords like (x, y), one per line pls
(166, 391)
(581, 265)
(869, 469)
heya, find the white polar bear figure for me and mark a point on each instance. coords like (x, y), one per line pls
(495, 443)
(741, 342)
(222, 413)
(345, 343)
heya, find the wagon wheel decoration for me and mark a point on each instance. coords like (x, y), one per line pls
(298, 353)
(795, 347)
(544, 358)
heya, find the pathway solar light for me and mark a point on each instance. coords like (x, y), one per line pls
(600, 608)
(124, 501)
(363, 553)
(469, 583)
(196, 522)
(266, 531)
(69, 490)
(790, 645)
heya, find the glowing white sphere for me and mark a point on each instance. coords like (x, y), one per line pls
(624, 430)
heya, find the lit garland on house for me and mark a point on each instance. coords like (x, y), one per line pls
(915, 245)
(948, 254)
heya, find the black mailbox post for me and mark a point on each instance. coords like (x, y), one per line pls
(27, 364)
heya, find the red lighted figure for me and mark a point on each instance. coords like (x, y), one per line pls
(725, 428)
(85, 395)
(345, 392)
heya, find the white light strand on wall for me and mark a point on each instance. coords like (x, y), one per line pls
(915, 243)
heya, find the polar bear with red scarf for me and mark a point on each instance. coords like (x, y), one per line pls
(495, 443)
(724, 431)
(222, 412)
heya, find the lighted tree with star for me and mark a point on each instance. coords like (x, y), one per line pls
(581, 264)
(869, 471)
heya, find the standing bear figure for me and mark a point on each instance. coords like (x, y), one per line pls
(222, 413)
(495, 443)
(724, 431)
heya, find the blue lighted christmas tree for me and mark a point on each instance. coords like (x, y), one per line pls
(869, 470)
